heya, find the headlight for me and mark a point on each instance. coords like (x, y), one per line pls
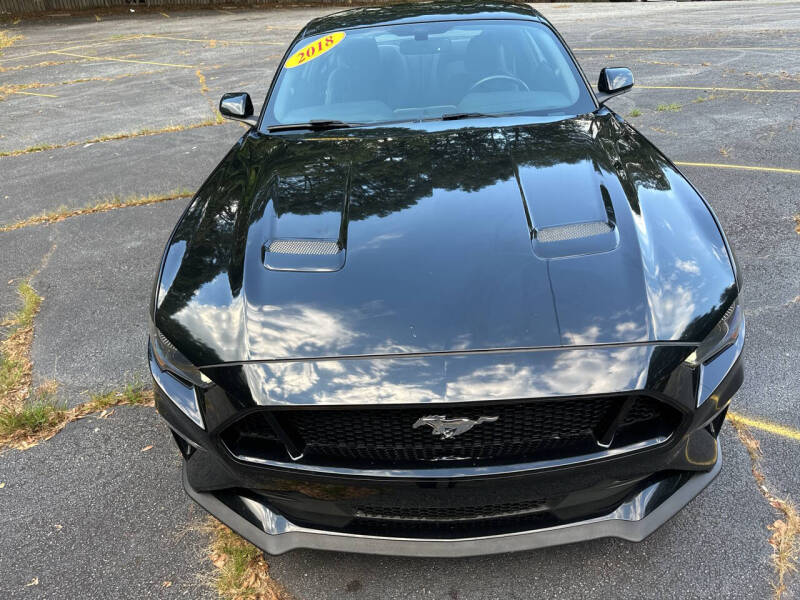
(170, 359)
(724, 335)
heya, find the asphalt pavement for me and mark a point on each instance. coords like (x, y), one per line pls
(90, 514)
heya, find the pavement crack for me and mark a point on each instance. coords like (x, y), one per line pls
(785, 531)
(44, 416)
(20, 403)
(103, 206)
(114, 136)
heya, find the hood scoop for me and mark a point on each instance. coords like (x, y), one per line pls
(569, 210)
(307, 216)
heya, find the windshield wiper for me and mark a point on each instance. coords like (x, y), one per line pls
(464, 115)
(313, 125)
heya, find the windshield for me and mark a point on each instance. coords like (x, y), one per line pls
(426, 71)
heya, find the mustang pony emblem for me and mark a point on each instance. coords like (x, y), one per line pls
(450, 428)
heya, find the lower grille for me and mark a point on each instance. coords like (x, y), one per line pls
(450, 514)
(523, 431)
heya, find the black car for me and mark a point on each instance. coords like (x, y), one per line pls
(439, 300)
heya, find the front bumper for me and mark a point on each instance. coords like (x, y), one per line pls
(629, 521)
(626, 496)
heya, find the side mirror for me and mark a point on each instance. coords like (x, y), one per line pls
(237, 106)
(613, 81)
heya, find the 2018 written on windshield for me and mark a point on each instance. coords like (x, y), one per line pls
(314, 49)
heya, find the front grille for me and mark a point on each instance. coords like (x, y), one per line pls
(524, 431)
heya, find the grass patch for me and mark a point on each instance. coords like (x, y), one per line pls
(102, 206)
(7, 90)
(7, 40)
(243, 572)
(635, 113)
(704, 98)
(135, 394)
(785, 531)
(23, 413)
(115, 136)
(674, 107)
(40, 417)
(43, 416)
(47, 63)
(15, 363)
(29, 416)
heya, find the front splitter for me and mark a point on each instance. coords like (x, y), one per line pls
(278, 535)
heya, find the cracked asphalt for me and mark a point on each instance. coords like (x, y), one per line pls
(89, 514)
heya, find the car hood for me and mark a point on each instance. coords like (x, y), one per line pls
(382, 241)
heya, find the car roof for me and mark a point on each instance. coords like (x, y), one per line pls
(418, 12)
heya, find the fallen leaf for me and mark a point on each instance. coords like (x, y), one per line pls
(34, 581)
(166, 584)
(146, 448)
(2, 484)
(218, 560)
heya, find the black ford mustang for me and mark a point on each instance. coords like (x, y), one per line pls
(439, 300)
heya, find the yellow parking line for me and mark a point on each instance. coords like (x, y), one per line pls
(35, 94)
(696, 48)
(742, 167)
(207, 41)
(126, 60)
(115, 38)
(129, 38)
(714, 89)
(768, 426)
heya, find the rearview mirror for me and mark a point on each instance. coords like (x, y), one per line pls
(613, 81)
(237, 106)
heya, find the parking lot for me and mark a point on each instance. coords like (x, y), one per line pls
(100, 111)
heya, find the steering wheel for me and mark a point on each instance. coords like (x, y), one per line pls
(516, 80)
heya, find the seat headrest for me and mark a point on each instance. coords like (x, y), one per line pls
(358, 53)
(485, 55)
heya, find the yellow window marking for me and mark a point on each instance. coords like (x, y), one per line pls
(714, 89)
(316, 48)
(768, 426)
(127, 60)
(743, 167)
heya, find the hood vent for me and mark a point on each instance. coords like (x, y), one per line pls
(305, 247)
(309, 255)
(573, 231)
